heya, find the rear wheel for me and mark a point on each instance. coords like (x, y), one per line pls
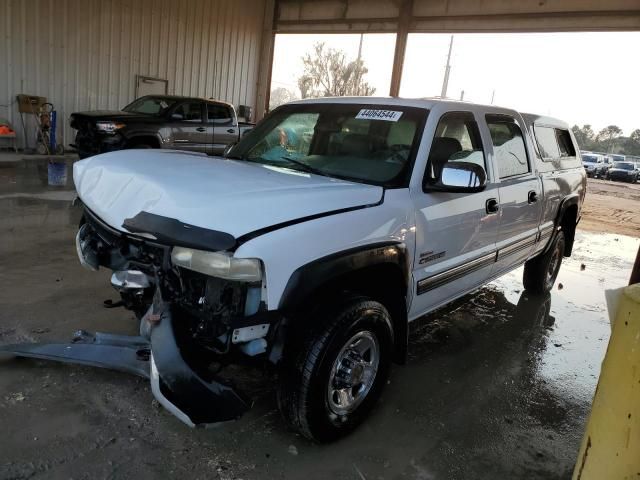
(331, 383)
(540, 273)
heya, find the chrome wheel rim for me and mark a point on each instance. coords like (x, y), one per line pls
(353, 373)
(554, 264)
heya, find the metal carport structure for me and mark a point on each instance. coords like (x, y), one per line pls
(436, 16)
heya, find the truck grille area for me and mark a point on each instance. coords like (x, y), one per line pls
(118, 251)
(205, 306)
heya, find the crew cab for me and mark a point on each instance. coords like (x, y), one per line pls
(312, 246)
(159, 121)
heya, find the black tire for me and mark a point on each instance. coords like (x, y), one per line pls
(540, 273)
(306, 395)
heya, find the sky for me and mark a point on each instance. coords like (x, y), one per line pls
(582, 78)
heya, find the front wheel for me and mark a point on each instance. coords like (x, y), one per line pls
(332, 382)
(540, 273)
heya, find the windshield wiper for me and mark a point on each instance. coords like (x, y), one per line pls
(306, 167)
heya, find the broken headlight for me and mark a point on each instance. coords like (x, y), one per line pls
(217, 264)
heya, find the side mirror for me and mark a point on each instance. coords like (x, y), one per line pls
(176, 116)
(459, 177)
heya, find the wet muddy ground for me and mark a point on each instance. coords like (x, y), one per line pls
(498, 385)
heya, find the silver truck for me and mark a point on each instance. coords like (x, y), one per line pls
(312, 246)
(159, 121)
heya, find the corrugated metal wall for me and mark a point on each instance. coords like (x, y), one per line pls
(85, 54)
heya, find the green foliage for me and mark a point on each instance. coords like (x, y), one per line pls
(328, 73)
(280, 96)
(607, 140)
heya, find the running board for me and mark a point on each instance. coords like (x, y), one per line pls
(129, 354)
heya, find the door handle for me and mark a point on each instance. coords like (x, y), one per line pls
(492, 206)
(200, 129)
(231, 130)
(532, 197)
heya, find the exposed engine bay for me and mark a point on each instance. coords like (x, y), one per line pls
(215, 313)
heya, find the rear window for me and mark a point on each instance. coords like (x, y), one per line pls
(508, 146)
(547, 142)
(589, 159)
(219, 114)
(564, 143)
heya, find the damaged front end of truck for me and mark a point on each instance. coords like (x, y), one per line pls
(199, 309)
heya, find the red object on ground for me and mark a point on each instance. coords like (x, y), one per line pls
(5, 130)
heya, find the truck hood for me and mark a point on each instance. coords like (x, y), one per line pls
(230, 196)
(113, 115)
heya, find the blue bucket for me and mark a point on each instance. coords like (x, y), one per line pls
(57, 174)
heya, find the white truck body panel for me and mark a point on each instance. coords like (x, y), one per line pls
(240, 197)
(209, 192)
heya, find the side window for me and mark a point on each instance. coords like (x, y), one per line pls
(547, 142)
(457, 139)
(189, 112)
(219, 114)
(565, 144)
(508, 146)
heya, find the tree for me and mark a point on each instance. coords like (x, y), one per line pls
(280, 96)
(584, 136)
(631, 144)
(607, 137)
(328, 73)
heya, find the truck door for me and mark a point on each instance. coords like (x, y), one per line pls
(188, 127)
(520, 192)
(223, 125)
(455, 232)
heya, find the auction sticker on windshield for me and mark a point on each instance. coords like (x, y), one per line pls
(387, 115)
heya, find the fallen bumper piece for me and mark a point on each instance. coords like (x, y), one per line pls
(176, 386)
(115, 352)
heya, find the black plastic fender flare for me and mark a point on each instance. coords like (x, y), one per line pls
(321, 272)
(568, 201)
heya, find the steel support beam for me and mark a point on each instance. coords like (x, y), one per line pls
(404, 24)
(266, 59)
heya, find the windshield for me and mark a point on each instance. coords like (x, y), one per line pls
(623, 165)
(150, 105)
(363, 143)
(589, 159)
(617, 158)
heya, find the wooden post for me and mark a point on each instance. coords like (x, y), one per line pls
(404, 22)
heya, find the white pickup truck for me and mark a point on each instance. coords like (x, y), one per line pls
(312, 246)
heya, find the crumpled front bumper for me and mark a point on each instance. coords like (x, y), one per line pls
(176, 386)
(181, 390)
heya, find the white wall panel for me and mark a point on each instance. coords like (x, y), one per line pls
(85, 54)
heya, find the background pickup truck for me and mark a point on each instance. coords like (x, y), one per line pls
(326, 230)
(159, 121)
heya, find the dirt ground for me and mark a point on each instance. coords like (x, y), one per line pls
(612, 207)
(497, 386)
